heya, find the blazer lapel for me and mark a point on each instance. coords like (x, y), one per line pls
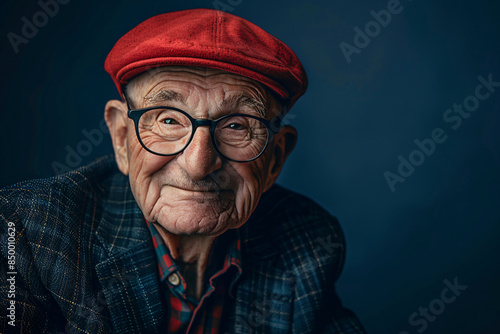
(129, 282)
(126, 265)
(263, 300)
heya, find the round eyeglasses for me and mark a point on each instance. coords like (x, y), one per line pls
(168, 131)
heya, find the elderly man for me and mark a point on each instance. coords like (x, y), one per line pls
(183, 229)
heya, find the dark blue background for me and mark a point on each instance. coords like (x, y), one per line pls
(442, 223)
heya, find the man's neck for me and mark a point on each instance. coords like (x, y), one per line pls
(191, 254)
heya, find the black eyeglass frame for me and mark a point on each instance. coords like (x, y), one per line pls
(135, 115)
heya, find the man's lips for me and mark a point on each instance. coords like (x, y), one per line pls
(203, 194)
(200, 189)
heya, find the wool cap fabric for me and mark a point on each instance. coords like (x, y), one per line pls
(208, 38)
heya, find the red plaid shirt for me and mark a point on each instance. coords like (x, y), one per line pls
(185, 314)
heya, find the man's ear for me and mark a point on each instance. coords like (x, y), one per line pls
(115, 114)
(284, 143)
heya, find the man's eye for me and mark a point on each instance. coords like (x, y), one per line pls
(235, 126)
(170, 121)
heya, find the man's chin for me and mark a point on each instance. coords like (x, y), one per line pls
(212, 226)
(196, 215)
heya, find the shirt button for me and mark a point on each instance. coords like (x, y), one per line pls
(174, 279)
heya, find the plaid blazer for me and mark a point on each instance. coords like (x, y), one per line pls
(84, 261)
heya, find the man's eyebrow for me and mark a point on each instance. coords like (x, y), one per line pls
(237, 101)
(164, 96)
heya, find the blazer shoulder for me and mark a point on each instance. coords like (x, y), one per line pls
(65, 189)
(56, 204)
(294, 214)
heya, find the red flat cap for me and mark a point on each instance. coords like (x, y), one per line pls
(208, 38)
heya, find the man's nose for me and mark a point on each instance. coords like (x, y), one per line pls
(200, 157)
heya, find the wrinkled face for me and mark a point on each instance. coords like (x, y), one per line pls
(196, 191)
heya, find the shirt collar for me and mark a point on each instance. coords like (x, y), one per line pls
(230, 239)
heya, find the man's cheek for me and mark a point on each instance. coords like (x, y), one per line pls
(247, 198)
(256, 177)
(148, 165)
